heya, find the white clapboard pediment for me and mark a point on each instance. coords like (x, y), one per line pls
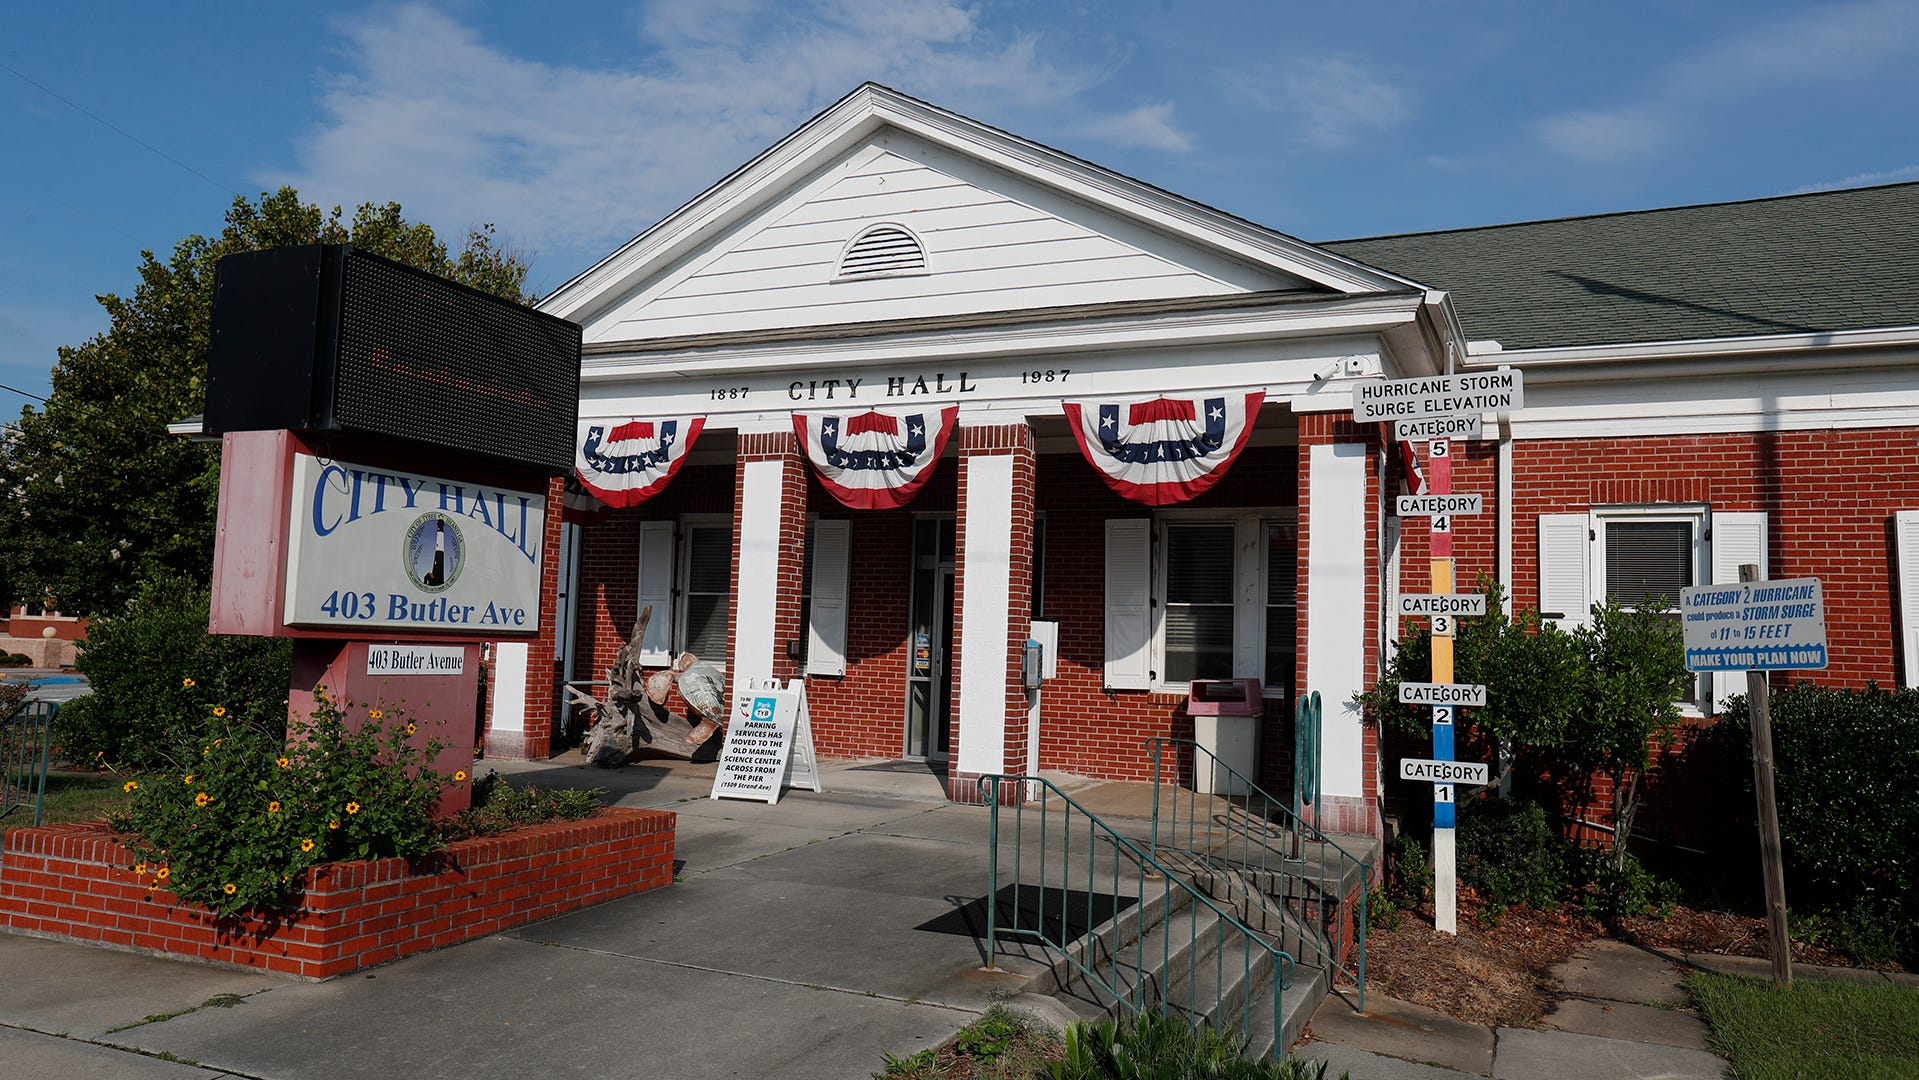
(941, 217)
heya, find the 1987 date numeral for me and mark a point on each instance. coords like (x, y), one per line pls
(1046, 376)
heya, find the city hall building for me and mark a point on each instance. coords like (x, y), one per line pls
(906, 391)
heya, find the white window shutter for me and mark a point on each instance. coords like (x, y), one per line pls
(826, 624)
(1737, 538)
(1129, 617)
(1565, 569)
(1905, 542)
(656, 588)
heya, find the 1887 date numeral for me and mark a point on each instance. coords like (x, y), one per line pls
(729, 393)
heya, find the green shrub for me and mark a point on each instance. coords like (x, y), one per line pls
(499, 807)
(231, 820)
(1613, 889)
(1155, 1047)
(1511, 854)
(156, 673)
(1409, 873)
(16, 659)
(1843, 762)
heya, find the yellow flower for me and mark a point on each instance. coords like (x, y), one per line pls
(410, 729)
(461, 775)
(306, 845)
(140, 868)
(353, 808)
(164, 873)
(219, 710)
(189, 780)
(128, 786)
(285, 764)
(202, 799)
(333, 824)
(186, 682)
(229, 888)
(273, 807)
(375, 714)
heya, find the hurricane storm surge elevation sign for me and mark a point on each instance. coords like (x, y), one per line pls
(1755, 626)
(1464, 394)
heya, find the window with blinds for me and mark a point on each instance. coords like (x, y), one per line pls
(707, 591)
(1199, 602)
(1282, 604)
(1648, 560)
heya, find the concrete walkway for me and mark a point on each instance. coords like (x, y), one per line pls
(801, 940)
(806, 939)
(1625, 1018)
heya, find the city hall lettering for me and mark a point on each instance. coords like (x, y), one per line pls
(344, 496)
(383, 548)
(894, 386)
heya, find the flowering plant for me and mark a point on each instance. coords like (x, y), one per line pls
(236, 816)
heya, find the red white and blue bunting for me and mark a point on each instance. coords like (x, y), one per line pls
(875, 460)
(625, 463)
(1166, 450)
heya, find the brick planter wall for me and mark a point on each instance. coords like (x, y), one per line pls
(75, 883)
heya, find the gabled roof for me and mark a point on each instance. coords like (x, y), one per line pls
(872, 112)
(1829, 261)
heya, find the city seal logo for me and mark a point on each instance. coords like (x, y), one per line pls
(434, 552)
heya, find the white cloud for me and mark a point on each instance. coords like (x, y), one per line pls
(1865, 179)
(1332, 101)
(1150, 126)
(573, 161)
(1832, 43)
(1605, 136)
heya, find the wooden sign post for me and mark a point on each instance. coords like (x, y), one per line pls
(1756, 627)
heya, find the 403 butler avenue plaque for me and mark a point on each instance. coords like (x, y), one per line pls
(380, 548)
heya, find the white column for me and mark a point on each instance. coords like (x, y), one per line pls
(1336, 555)
(756, 580)
(509, 690)
(985, 607)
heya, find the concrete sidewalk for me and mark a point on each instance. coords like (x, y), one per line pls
(1625, 1018)
(794, 945)
(801, 940)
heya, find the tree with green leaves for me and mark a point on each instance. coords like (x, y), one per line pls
(97, 495)
(1593, 701)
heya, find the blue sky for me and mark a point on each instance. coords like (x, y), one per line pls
(574, 126)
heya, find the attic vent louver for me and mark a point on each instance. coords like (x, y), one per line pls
(883, 249)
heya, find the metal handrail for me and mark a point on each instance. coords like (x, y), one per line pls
(1122, 940)
(25, 746)
(1238, 844)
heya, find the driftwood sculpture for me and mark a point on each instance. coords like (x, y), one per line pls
(634, 715)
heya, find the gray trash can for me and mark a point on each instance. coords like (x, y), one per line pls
(1226, 717)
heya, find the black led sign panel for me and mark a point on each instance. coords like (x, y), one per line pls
(328, 338)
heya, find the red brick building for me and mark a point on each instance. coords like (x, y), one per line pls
(1704, 386)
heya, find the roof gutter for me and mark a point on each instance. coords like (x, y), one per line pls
(1704, 356)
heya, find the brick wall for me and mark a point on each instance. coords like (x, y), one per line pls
(1829, 497)
(76, 883)
(1088, 729)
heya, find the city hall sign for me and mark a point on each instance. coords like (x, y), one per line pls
(379, 548)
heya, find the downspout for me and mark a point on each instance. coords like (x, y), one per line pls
(1503, 546)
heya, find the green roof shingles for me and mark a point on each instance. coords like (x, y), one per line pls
(1838, 260)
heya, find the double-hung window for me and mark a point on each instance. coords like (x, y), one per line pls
(686, 574)
(1200, 597)
(1638, 554)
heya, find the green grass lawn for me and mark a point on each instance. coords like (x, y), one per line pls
(73, 796)
(1819, 1028)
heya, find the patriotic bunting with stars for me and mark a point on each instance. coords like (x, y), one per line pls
(625, 463)
(875, 460)
(1164, 450)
